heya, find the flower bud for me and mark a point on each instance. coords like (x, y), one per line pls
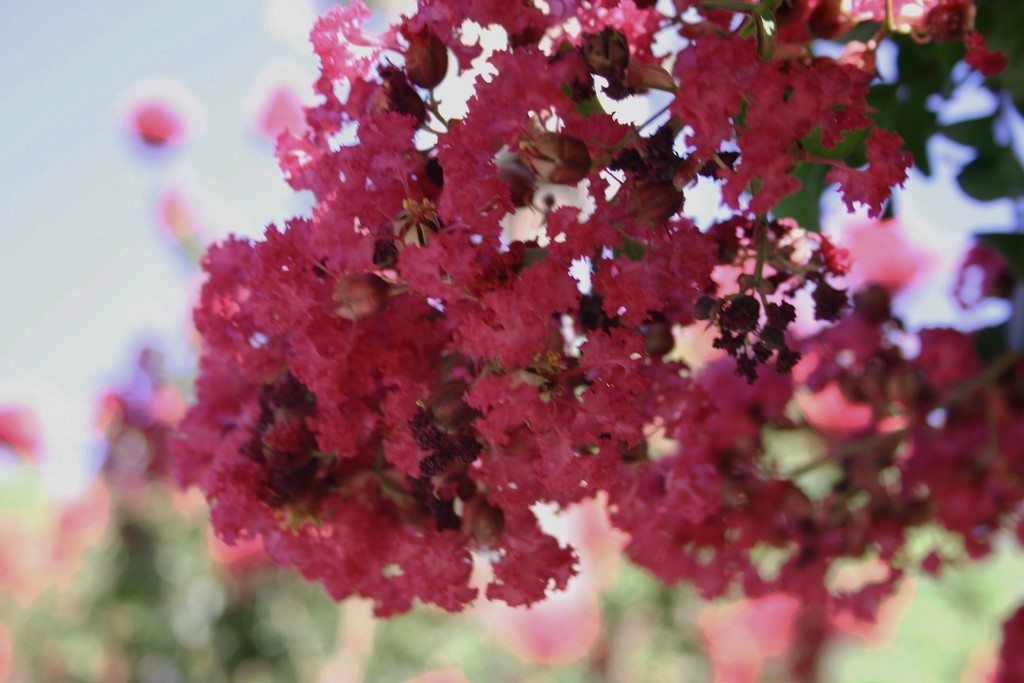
(448, 408)
(829, 21)
(650, 76)
(790, 11)
(658, 339)
(638, 453)
(557, 158)
(426, 60)
(652, 204)
(482, 521)
(705, 307)
(520, 181)
(399, 96)
(359, 296)
(874, 303)
(607, 52)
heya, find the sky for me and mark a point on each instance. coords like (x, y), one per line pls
(86, 277)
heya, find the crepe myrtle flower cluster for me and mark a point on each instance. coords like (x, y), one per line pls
(390, 385)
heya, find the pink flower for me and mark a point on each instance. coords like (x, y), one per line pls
(829, 411)
(881, 255)
(741, 636)
(160, 113)
(157, 123)
(20, 431)
(281, 111)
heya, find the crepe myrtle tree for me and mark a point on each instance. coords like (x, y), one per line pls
(390, 384)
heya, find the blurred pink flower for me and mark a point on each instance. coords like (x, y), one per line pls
(20, 431)
(983, 273)
(280, 112)
(238, 559)
(982, 664)
(565, 626)
(157, 123)
(137, 419)
(740, 636)
(46, 546)
(159, 113)
(176, 215)
(880, 633)
(881, 254)
(828, 411)
(560, 630)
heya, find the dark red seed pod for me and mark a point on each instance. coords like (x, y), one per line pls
(426, 60)
(557, 158)
(829, 21)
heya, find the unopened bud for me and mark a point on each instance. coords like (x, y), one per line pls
(658, 339)
(607, 52)
(557, 158)
(705, 307)
(359, 296)
(829, 21)
(874, 303)
(650, 76)
(426, 60)
(519, 179)
(448, 408)
(652, 204)
(789, 11)
(482, 521)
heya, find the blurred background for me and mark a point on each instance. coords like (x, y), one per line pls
(134, 134)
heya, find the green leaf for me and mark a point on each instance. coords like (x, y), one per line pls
(585, 107)
(805, 205)
(633, 249)
(1000, 21)
(991, 342)
(976, 133)
(1010, 245)
(994, 174)
(851, 140)
(766, 34)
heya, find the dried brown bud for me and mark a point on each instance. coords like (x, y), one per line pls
(607, 52)
(399, 95)
(705, 307)
(520, 180)
(790, 11)
(557, 158)
(658, 339)
(447, 407)
(829, 21)
(482, 521)
(359, 296)
(874, 303)
(652, 76)
(652, 204)
(426, 60)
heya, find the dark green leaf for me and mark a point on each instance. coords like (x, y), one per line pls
(633, 250)
(805, 205)
(995, 174)
(851, 140)
(991, 342)
(1010, 245)
(977, 133)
